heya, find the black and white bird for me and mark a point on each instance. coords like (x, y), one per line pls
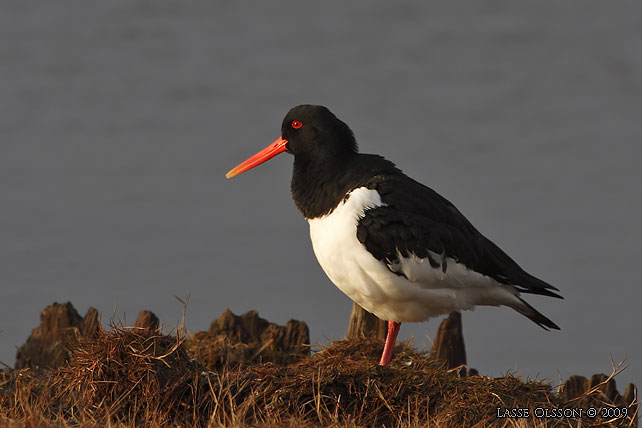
(392, 245)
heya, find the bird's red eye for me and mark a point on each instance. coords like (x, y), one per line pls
(296, 124)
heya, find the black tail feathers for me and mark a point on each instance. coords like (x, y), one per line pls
(535, 316)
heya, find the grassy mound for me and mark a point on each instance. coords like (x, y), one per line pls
(138, 377)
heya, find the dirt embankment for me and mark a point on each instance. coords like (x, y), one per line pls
(246, 371)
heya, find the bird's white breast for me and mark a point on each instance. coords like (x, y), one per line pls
(424, 292)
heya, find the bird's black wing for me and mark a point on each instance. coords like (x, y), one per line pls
(416, 220)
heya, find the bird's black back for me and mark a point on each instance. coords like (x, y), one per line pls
(415, 220)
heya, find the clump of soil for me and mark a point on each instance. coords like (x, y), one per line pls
(248, 339)
(60, 327)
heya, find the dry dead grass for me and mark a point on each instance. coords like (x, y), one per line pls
(136, 377)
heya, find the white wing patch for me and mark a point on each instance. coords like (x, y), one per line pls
(422, 292)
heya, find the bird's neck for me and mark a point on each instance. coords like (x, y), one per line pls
(316, 186)
(319, 187)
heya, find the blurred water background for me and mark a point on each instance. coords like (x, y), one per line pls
(119, 119)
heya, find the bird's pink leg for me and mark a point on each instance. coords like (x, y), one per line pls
(393, 329)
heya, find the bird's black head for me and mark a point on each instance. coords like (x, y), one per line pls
(326, 162)
(313, 132)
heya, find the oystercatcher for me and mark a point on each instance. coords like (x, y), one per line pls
(392, 245)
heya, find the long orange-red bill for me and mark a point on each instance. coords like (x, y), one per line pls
(267, 153)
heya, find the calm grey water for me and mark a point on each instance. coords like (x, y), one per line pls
(118, 121)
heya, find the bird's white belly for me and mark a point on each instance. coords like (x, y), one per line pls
(426, 293)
